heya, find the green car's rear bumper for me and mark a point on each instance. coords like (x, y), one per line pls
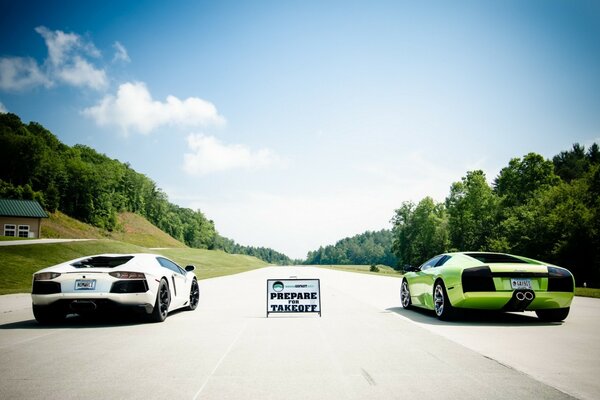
(501, 300)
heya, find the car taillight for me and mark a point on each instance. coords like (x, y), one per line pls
(45, 276)
(127, 275)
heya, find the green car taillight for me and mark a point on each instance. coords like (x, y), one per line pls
(559, 280)
(478, 279)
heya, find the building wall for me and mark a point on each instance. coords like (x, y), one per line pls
(35, 225)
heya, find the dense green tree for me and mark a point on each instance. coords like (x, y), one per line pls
(420, 231)
(522, 178)
(573, 164)
(472, 208)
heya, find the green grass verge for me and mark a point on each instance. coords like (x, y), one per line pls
(18, 263)
(364, 269)
(212, 263)
(587, 292)
(11, 238)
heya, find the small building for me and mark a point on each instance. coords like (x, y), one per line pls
(21, 218)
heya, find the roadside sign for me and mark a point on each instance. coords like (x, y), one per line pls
(293, 296)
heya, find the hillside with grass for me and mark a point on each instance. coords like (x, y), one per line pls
(131, 228)
(135, 229)
(61, 226)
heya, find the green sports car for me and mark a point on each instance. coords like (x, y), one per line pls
(490, 281)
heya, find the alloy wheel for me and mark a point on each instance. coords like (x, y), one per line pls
(194, 295)
(404, 294)
(438, 299)
(164, 300)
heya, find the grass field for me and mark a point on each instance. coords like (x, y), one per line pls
(587, 292)
(11, 238)
(18, 263)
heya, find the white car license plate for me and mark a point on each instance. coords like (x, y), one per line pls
(85, 284)
(520, 283)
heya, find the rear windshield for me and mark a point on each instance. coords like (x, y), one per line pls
(491, 258)
(102, 262)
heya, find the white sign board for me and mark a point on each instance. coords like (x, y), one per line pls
(293, 296)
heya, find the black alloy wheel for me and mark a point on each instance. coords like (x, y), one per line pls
(194, 295)
(161, 306)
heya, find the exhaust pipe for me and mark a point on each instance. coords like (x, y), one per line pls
(83, 305)
(521, 299)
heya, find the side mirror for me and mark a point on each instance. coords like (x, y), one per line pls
(190, 268)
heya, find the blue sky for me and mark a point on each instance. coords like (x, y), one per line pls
(293, 124)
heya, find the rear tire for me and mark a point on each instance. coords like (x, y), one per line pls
(405, 295)
(46, 315)
(161, 306)
(553, 315)
(441, 304)
(194, 296)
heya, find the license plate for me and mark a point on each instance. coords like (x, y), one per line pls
(520, 283)
(85, 284)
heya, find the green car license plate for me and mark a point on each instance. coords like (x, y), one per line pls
(85, 284)
(520, 283)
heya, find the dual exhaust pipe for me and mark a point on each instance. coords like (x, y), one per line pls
(521, 296)
(520, 300)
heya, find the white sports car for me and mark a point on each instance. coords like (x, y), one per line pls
(149, 283)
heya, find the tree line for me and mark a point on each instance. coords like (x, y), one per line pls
(93, 188)
(366, 248)
(264, 253)
(539, 208)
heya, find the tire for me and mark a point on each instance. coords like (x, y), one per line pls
(161, 306)
(194, 295)
(441, 304)
(405, 295)
(553, 315)
(47, 315)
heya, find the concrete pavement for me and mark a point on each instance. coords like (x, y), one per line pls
(361, 348)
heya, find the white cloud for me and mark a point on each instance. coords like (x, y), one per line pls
(17, 73)
(120, 53)
(65, 59)
(133, 109)
(59, 44)
(82, 73)
(62, 45)
(210, 155)
(67, 62)
(3, 109)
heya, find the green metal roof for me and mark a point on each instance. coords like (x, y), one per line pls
(21, 208)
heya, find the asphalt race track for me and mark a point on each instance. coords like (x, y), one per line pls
(363, 347)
